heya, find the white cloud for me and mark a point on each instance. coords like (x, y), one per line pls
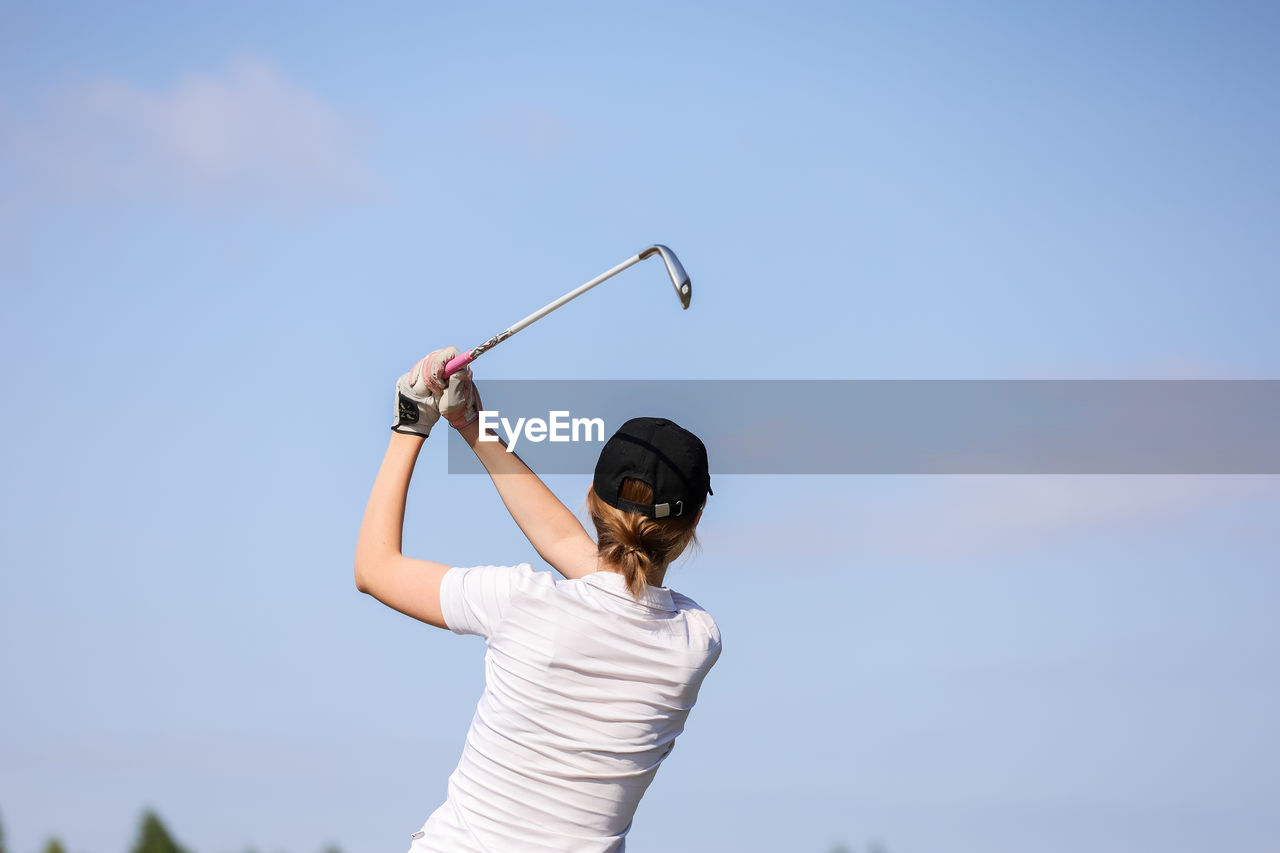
(243, 132)
(960, 517)
(975, 515)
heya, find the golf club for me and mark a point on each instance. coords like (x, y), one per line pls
(679, 278)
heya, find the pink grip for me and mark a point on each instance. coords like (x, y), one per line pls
(457, 363)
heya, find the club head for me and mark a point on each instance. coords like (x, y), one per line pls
(679, 278)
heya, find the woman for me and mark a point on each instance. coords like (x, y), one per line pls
(588, 680)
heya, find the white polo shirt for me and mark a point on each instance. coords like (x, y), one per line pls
(585, 692)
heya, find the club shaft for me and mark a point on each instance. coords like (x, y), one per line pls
(466, 358)
(573, 294)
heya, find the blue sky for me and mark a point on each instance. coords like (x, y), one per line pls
(225, 230)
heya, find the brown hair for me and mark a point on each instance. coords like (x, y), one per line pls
(642, 547)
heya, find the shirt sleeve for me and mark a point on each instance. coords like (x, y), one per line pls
(474, 600)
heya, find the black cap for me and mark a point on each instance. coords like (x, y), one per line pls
(659, 452)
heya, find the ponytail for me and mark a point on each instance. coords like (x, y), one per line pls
(641, 547)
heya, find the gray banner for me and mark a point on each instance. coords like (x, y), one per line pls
(902, 426)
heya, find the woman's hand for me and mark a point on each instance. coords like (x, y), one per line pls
(425, 393)
(459, 399)
(417, 401)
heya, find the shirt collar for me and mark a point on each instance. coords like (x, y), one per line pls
(656, 597)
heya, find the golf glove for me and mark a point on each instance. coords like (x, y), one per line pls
(460, 402)
(417, 405)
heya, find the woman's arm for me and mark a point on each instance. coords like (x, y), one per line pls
(554, 531)
(408, 585)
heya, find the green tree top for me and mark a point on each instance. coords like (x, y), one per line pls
(54, 846)
(154, 838)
